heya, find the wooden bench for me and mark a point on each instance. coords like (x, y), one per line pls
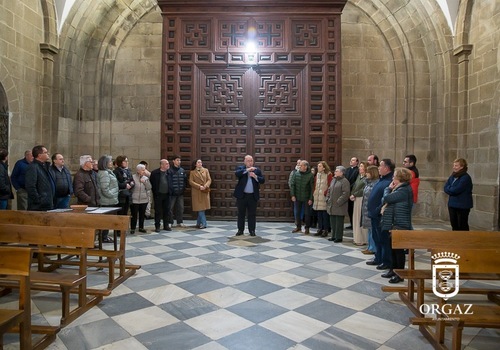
(47, 240)
(118, 223)
(479, 253)
(15, 266)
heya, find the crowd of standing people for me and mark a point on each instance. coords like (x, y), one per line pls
(377, 197)
(41, 185)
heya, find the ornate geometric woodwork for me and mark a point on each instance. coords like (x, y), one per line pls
(278, 102)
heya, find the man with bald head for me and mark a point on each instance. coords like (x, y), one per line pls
(161, 186)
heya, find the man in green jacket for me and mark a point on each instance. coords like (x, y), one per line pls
(301, 190)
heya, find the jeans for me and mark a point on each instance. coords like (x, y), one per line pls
(62, 202)
(376, 239)
(3, 204)
(371, 243)
(202, 219)
(303, 207)
(176, 208)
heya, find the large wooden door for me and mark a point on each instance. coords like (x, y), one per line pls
(278, 103)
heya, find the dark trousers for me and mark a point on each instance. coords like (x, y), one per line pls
(140, 209)
(162, 209)
(459, 219)
(124, 204)
(350, 210)
(302, 207)
(385, 248)
(323, 220)
(337, 225)
(398, 259)
(247, 206)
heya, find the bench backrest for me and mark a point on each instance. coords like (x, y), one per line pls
(476, 260)
(95, 221)
(435, 239)
(479, 251)
(47, 235)
(15, 264)
(15, 261)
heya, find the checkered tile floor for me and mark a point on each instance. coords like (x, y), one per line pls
(208, 290)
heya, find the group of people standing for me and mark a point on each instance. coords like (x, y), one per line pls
(42, 185)
(378, 197)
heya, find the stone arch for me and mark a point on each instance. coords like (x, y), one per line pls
(49, 22)
(9, 101)
(100, 29)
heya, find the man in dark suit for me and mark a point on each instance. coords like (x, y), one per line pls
(351, 175)
(39, 183)
(161, 186)
(247, 194)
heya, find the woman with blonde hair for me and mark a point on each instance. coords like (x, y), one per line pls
(459, 189)
(322, 181)
(359, 234)
(200, 181)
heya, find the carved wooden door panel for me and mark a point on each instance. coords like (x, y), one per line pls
(279, 103)
(257, 111)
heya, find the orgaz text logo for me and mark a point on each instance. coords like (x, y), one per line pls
(445, 275)
(445, 285)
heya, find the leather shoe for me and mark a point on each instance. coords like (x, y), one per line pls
(295, 230)
(157, 229)
(371, 262)
(306, 232)
(319, 233)
(239, 233)
(383, 267)
(396, 279)
(252, 233)
(142, 230)
(167, 228)
(388, 274)
(349, 227)
(337, 240)
(331, 239)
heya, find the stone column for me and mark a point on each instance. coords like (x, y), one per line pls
(462, 53)
(47, 123)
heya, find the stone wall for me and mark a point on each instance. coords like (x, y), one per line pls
(409, 86)
(21, 65)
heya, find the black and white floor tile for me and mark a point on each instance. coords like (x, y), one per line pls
(209, 290)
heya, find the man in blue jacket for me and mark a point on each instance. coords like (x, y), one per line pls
(18, 179)
(383, 255)
(247, 194)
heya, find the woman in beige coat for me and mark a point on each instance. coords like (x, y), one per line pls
(199, 180)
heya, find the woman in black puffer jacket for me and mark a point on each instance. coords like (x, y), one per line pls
(396, 214)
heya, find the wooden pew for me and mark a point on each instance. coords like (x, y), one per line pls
(46, 240)
(15, 265)
(117, 223)
(479, 253)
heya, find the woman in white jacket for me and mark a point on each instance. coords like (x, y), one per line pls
(140, 198)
